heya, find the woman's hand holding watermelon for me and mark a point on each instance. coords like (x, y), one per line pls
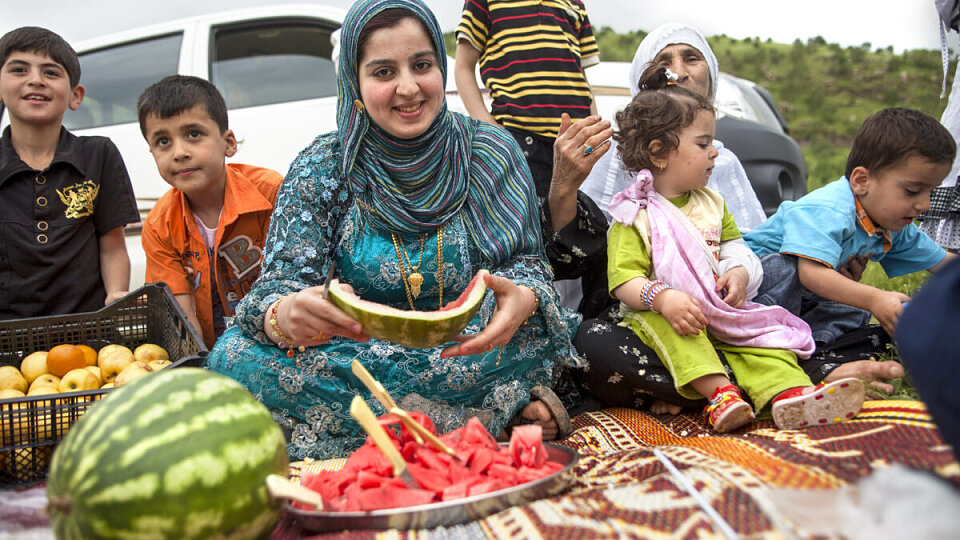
(307, 318)
(515, 304)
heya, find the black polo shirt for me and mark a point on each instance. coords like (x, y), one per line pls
(51, 222)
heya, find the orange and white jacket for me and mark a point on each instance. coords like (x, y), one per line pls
(177, 255)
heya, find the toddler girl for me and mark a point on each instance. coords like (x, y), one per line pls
(670, 239)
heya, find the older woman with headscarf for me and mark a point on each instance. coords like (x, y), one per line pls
(402, 187)
(623, 371)
(684, 51)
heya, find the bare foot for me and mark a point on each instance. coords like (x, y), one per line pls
(870, 371)
(662, 407)
(538, 412)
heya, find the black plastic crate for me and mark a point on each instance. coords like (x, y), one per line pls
(32, 427)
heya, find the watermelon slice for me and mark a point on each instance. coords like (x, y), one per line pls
(526, 446)
(417, 329)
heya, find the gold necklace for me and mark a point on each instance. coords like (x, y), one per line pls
(440, 262)
(414, 280)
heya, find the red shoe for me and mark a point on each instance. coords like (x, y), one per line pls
(826, 404)
(727, 410)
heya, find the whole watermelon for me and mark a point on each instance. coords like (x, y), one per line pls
(182, 453)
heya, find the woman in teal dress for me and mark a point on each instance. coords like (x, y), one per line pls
(403, 190)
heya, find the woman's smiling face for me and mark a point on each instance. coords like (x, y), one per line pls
(401, 85)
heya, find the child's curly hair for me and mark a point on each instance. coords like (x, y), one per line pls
(659, 112)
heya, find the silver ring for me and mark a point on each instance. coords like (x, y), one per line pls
(588, 150)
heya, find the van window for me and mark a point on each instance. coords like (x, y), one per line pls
(115, 77)
(273, 63)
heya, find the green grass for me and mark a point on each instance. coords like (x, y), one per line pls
(902, 387)
(908, 284)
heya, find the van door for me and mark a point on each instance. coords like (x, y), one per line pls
(278, 80)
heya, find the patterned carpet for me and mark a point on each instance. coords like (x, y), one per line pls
(623, 489)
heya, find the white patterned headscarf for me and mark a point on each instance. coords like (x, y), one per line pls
(672, 34)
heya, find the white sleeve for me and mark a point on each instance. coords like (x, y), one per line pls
(730, 180)
(951, 121)
(735, 253)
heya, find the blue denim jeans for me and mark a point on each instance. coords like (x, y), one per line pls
(827, 319)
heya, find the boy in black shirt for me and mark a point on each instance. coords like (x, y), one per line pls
(63, 199)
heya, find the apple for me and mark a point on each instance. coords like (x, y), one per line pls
(157, 365)
(10, 393)
(33, 366)
(47, 380)
(78, 380)
(112, 359)
(148, 352)
(135, 370)
(12, 379)
(96, 371)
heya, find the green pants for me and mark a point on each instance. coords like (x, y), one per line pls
(761, 374)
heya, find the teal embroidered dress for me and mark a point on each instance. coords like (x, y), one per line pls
(316, 217)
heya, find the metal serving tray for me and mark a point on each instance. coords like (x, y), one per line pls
(447, 513)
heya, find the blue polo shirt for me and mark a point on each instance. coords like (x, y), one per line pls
(824, 226)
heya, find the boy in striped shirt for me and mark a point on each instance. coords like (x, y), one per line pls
(532, 56)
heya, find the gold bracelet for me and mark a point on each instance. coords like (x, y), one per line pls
(283, 342)
(536, 305)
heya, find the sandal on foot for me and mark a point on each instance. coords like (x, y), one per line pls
(827, 403)
(545, 395)
(728, 411)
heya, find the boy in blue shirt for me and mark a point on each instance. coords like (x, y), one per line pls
(898, 156)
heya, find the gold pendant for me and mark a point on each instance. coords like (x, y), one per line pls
(415, 279)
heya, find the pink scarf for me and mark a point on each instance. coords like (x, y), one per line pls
(681, 258)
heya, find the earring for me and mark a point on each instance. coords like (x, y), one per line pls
(661, 166)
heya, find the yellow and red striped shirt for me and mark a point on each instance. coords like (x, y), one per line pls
(532, 56)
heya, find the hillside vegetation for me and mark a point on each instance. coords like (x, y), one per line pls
(824, 91)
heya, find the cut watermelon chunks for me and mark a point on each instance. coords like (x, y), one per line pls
(482, 466)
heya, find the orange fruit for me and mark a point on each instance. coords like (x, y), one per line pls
(89, 354)
(63, 359)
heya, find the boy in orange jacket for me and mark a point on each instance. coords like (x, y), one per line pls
(205, 236)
